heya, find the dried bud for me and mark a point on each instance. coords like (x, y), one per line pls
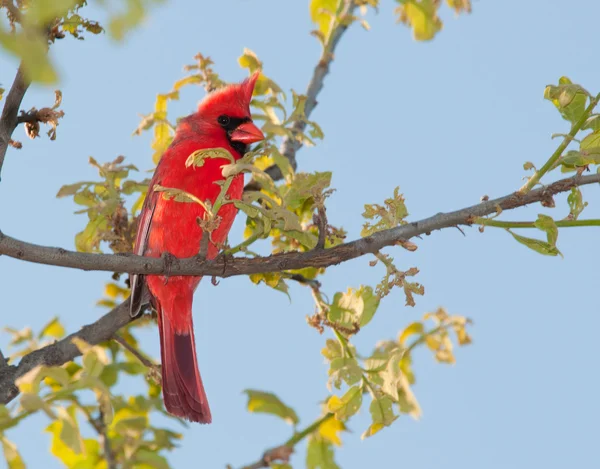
(32, 129)
(412, 247)
(548, 202)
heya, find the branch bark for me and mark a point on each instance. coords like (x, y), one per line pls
(9, 119)
(227, 267)
(64, 351)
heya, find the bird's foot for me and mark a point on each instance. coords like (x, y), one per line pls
(168, 261)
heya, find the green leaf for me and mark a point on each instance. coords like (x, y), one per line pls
(271, 279)
(69, 432)
(389, 216)
(332, 349)
(128, 421)
(344, 369)
(269, 403)
(547, 224)
(319, 454)
(537, 245)
(199, 157)
(88, 458)
(593, 122)
(11, 454)
(348, 405)
(576, 203)
(591, 142)
(569, 99)
(39, 13)
(354, 307)
(284, 165)
(575, 159)
(250, 61)
(250, 210)
(126, 20)
(71, 189)
(31, 48)
(301, 191)
(131, 187)
(396, 384)
(94, 361)
(178, 195)
(151, 458)
(382, 415)
(88, 239)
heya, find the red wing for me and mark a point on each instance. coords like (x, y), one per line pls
(141, 242)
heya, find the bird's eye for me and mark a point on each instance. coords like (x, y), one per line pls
(223, 120)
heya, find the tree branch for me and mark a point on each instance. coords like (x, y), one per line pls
(64, 350)
(9, 119)
(290, 146)
(104, 329)
(224, 266)
(283, 452)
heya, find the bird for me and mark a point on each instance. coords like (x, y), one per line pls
(170, 228)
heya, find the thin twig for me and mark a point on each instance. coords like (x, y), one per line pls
(320, 219)
(109, 455)
(100, 427)
(9, 119)
(220, 267)
(136, 353)
(290, 146)
(537, 176)
(203, 252)
(531, 224)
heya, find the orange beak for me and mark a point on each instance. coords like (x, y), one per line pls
(247, 133)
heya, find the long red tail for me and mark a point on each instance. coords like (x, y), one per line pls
(183, 392)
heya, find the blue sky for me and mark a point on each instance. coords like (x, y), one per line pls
(448, 121)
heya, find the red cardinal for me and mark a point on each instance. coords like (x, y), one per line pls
(223, 120)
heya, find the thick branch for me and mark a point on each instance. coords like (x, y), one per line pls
(227, 267)
(64, 350)
(9, 119)
(290, 146)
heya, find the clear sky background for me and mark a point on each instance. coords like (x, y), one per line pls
(448, 121)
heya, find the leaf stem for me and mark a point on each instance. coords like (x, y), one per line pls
(244, 244)
(533, 180)
(530, 224)
(299, 436)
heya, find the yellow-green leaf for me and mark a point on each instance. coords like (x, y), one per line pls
(11, 454)
(52, 329)
(537, 245)
(422, 16)
(347, 405)
(269, 403)
(319, 454)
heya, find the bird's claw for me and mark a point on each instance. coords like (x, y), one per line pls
(168, 261)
